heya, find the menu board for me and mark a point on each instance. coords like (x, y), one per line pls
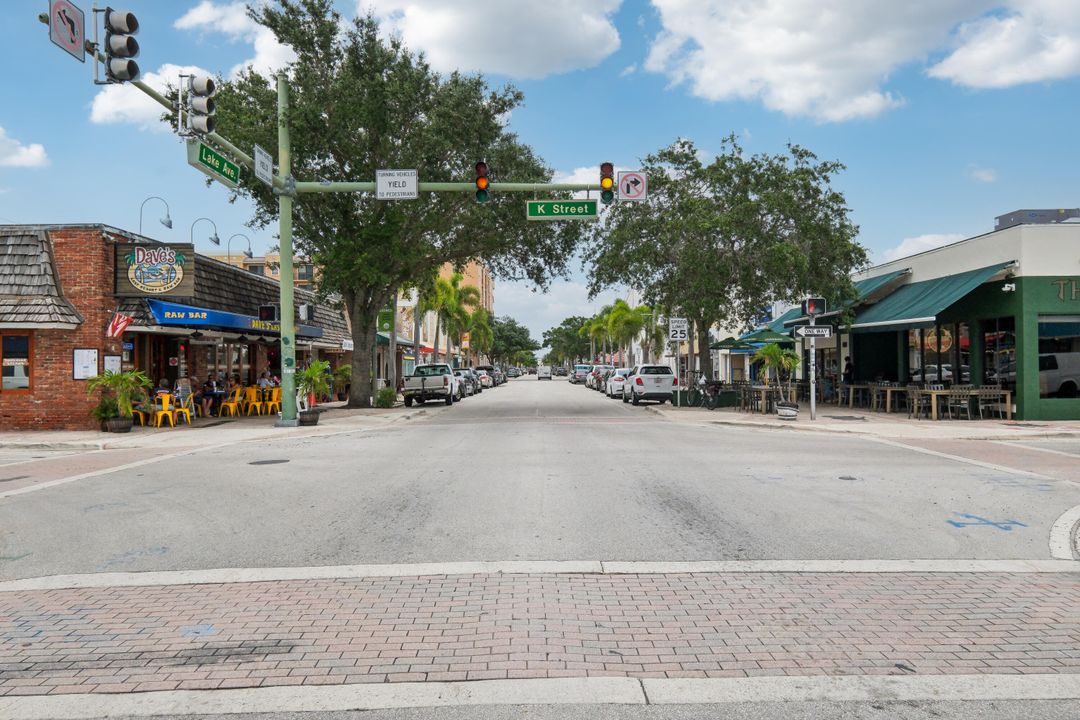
(84, 363)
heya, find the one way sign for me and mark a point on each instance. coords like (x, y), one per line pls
(815, 331)
(632, 185)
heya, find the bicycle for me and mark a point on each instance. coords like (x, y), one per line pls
(702, 392)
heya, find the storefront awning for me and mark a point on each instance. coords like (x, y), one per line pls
(384, 339)
(920, 303)
(869, 290)
(167, 313)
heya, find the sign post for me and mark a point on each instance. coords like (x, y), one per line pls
(679, 330)
(812, 307)
(813, 371)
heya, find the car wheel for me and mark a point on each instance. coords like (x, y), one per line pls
(449, 399)
(663, 401)
(408, 401)
(634, 398)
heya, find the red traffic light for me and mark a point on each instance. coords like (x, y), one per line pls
(813, 306)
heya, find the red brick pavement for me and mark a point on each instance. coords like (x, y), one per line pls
(469, 627)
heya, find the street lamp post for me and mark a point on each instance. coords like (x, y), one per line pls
(166, 221)
(228, 246)
(213, 238)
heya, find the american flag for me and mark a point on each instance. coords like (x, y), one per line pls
(118, 325)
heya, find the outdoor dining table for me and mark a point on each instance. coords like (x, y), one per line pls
(974, 393)
(889, 390)
(764, 390)
(851, 388)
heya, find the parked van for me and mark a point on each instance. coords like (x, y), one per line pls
(1059, 374)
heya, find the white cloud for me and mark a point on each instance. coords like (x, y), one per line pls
(126, 103)
(231, 19)
(542, 311)
(520, 38)
(15, 154)
(1030, 41)
(983, 175)
(921, 243)
(629, 70)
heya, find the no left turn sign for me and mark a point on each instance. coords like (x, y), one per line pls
(632, 185)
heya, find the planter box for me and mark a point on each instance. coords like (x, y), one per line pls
(118, 424)
(308, 417)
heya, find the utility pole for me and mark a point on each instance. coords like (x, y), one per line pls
(285, 203)
(391, 375)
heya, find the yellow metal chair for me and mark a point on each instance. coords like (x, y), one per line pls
(251, 400)
(166, 412)
(274, 401)
(231, 406)
(184, 409)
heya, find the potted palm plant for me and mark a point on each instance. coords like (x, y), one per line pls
(312, 380)
(342, 378)
(783, 362)
(123, 387)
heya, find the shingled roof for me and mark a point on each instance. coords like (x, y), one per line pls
(220, 286)
(30, 295)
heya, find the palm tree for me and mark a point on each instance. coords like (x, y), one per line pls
(481, 336)
(624, 324)
(450, 301)
(779, 359)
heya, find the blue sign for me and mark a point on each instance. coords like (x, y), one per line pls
(167, 313)
(129, 346)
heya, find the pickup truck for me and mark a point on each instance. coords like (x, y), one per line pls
(431, 382)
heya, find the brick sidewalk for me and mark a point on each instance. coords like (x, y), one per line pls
(533, 626)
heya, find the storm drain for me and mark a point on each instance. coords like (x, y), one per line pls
(267, 462)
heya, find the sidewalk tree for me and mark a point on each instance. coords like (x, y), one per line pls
(509, 339)
(566, 342)
(361, 102)
(624, 325)
(718, 241)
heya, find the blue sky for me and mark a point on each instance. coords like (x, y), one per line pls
(946, 112)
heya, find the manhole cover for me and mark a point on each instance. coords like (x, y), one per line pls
(267, 462)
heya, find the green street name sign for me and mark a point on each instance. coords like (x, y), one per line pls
(206, 159)
(561, 210)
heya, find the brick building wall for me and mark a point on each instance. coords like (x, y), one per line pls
(84, 264)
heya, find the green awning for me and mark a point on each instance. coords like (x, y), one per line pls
(869, 290)
(766, 335)
(777, 325)
(730, 344)
(920, 303)
(384, 339)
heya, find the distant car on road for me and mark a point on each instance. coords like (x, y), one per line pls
(543, 372)
(649, 382)
(580, 373)
(513, 373)
(560, 371)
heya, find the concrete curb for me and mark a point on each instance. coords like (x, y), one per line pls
(549, 567)
(553, 691)
(1065, 535)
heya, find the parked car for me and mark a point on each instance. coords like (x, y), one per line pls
(532, 371)
(543, 372)
(594, 379)
(615, 382)
(465, 379)
(559, 371)
(476, 380)
(580, 373)
(649, 382)
(496, 375)
(500, 377)
(431, 382)
(486, 381)
(513, 373)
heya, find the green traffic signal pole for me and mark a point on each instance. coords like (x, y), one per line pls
(287, 188)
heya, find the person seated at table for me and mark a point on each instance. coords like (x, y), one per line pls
(264, 381)
(230, 385)
(206, 395)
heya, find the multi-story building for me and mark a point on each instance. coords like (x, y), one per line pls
(269, 265)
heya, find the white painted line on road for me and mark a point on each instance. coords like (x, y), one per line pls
(862, 688)
(328, 698)
(553, 691)
(1065, 535)
(577, 567)
(106, 471)
(960, 458)
(841, 566)
(1020, 443)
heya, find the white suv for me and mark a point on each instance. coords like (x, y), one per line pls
(649, 382)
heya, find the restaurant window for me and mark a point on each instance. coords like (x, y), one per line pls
(15, 361)
(999, 352)
(915, 355)
(1059, 356)
(961, 370)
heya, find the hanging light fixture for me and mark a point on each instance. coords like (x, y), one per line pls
(195, 335)
(242, 339)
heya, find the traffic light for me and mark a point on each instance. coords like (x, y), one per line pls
(813, 307)
(607, 182)
(201, 104)
(120, 46)
(481, 182)
(268, 313)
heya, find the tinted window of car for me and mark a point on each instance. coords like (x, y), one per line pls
(655, 370)
(1048, 362)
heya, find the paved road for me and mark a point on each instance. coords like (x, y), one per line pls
(532, 470)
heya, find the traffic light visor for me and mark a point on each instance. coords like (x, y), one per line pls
(120, 21)
(607, 169)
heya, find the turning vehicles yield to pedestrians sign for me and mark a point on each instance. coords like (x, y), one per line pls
(67, 27)
(632, 185)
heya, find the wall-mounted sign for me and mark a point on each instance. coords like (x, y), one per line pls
(1068, 289)
(111, 363)
(84, 363)
(159, 270)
